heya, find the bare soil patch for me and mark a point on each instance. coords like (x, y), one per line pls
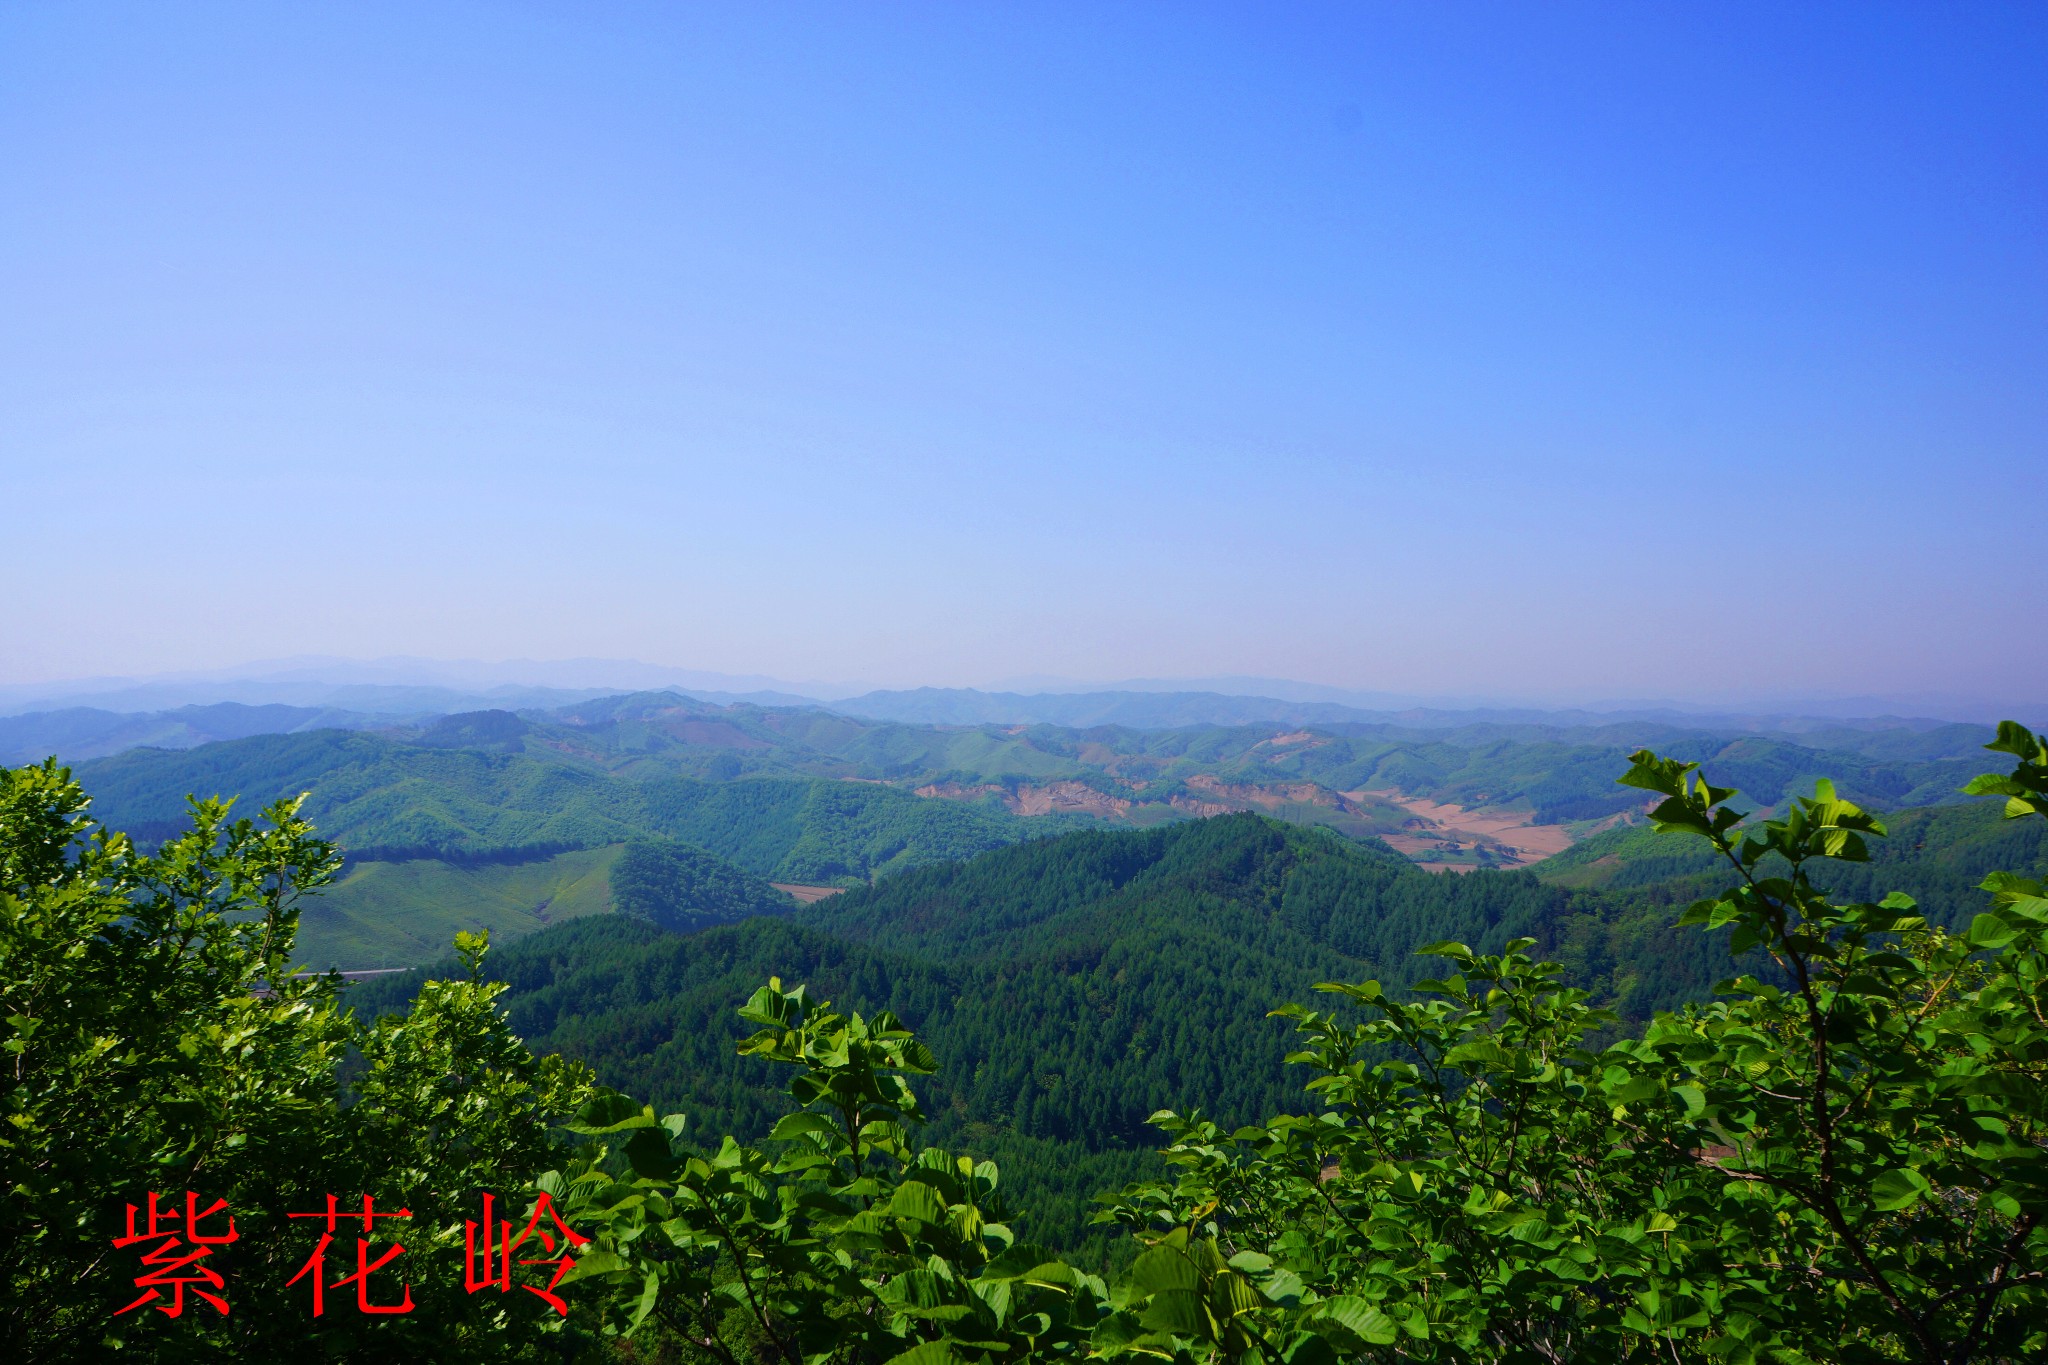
(1077, 797)
(1289, 741)
(808, 895)
(1045, 798)
(1513, 836)
(1271, 795)
(1204, 809)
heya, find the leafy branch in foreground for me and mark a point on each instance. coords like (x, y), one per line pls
(1843, 1163)
(1879, 1116)
(153, 1037)
(837, 1241)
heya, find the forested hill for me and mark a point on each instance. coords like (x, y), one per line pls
(1069, 986)
(1332, 773)
(515, 821)
(383, 798)
(1066, 899)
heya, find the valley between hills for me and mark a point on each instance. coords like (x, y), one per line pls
(511, 821)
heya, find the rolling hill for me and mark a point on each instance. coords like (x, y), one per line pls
(546, 766)
(83, 732)
(1070, 985)
(437, 816)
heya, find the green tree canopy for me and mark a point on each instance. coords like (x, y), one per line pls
(156, 1040)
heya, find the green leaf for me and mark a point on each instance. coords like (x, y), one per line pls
(1284, 1287)
(917, 1200)
(1360, 1318)
(916, 1289)
(1308, 1348)
(1899, 1189)
(1178, 1311)
(1990, 931)
(929, 1353)
(1651, 773)
(2022, 743)
(648, 1153)
(1121, 1334)
(791, 1126)
(1163, 1268)
(650, 1293)
(594, 1261)
(1234, 1295)
(610, 1112)
(1017, 1261)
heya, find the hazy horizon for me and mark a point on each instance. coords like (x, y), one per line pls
(1579, 351)
(289, 680)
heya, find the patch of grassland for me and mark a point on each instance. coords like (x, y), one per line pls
(400, 914)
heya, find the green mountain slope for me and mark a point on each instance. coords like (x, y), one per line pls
(749, 785)
(401, 913)
(396, 914)
(459, 835)
(1140, 775)
(1070, 986)
(681, 887)
(381, 797)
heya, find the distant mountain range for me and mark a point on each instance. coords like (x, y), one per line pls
(123, 720)
(81, 732)
(1154, 710)
(503, 818)
(412, 687)
(403, 686)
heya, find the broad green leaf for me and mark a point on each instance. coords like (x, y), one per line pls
(1163, 1268)
(915, 1199)
(648, 1153)
(1899, 1189)
(610, 1112)
(791, 1126)
(1178, 1311)
(650, 1294)
(1017, 1261)
(1309, 1348)
(1233, 1294)
(929, 1353)
(1359, 1317)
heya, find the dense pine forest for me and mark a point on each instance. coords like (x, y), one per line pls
(1073, 986)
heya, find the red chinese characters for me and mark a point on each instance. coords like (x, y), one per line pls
(178, 1259)
(499, 1245)
(316, 1265)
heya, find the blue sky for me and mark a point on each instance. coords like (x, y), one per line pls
(1536, 351)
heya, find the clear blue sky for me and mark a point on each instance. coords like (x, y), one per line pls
(1534, 350)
